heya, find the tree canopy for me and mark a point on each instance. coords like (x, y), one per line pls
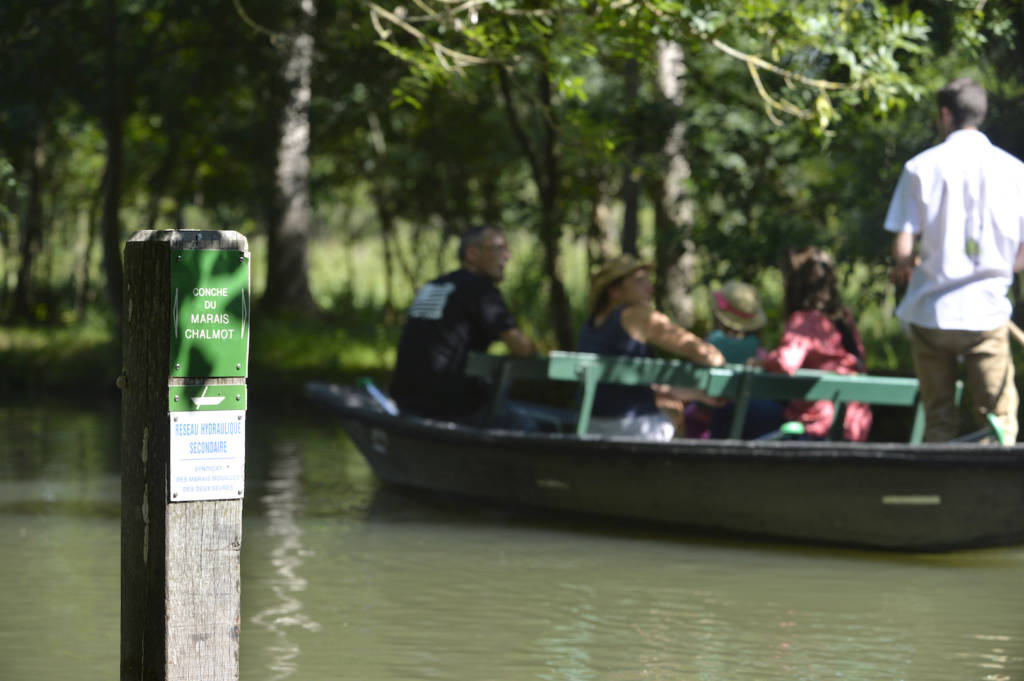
(706, 136)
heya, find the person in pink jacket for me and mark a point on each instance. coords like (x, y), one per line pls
(820, 334)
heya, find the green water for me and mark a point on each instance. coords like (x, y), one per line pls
(344, 580)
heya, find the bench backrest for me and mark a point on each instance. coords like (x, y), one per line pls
(737, 382)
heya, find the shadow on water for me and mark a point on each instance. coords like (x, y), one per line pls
(392, 504)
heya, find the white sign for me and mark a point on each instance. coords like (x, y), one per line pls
(207, 455)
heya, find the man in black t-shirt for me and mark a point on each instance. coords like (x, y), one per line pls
(457, 313)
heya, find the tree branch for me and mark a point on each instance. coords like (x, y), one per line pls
(771, 104)
(757, 62)
(273, 35)
(450, 60)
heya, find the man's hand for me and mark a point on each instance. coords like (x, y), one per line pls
(903, 259)
(519, 344)
(902, 268)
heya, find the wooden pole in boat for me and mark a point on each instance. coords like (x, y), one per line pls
(185, 359)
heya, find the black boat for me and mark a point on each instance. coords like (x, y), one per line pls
(895, 496)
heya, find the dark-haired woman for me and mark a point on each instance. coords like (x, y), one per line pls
(820, 334)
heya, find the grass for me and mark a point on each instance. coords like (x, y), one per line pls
(358, 333)
(84, 358)
(74, 358)
(353, 338)
(287, 351)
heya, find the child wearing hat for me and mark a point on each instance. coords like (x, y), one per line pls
(622, 321)
(738, 315)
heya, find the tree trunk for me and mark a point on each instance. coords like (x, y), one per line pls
(31, 240)
(551, 226)
(288, 237)
(113, 131)
(602, 239)
(675, 259)
(558, 303)
(4, 247)
(387, 230)
(110, 222)
(630, 186)
(183, 197)
(82, 293)
(547, 177)
(161, 178)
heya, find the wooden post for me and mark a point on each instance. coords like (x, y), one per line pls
(186, 328)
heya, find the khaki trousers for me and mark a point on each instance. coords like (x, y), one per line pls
(990, 377)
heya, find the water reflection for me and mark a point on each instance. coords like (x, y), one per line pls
(282, 504)
(431, 590)
(59, 529)
(344, 579)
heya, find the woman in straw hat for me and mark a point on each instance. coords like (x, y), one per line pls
(820, 334)
(623, 322)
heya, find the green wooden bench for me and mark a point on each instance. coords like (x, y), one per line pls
(736, 382)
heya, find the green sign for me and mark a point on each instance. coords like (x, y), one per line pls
(210, 308)
(205, 397)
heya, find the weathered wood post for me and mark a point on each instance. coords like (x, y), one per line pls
(186, 350)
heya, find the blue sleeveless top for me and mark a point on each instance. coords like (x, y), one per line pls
(612, 401)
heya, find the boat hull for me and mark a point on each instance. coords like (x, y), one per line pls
(877, 495)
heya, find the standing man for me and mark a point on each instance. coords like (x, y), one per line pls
(963, 201)
(451, 316)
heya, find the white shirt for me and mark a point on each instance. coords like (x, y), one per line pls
(965, 199)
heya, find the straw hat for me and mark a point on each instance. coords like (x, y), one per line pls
(737, 306)
(614, 269)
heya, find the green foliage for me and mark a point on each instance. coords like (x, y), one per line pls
(857, 51)
(865, 289)
(797, 119)
(286, 351)
(50, 360)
